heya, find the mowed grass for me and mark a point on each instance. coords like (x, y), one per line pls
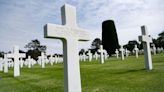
(113, 76)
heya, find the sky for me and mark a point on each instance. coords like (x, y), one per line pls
(22, 20)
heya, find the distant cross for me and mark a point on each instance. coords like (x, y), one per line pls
(6, 64)
(122, 52)
(21, 62)
(16, 55)
(84, 57)
(43, 60)
(90, 55)
(136, 50)
(117, 52)
(146, 39)
(154, 49)
(101, 51)
(70, 34)
(96, 55)
(126, 52)
(51, 59)
(105, 54)
(29, 61)
(1, 64)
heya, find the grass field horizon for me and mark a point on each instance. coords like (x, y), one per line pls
(114, 75)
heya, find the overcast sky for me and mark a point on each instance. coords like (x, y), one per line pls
(22, 20)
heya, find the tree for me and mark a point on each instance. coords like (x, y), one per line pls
(35, 48)
(131, 44)
(95, 45)
(109, 37)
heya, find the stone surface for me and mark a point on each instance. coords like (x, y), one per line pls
(101, 51)
(1, 64)
(122, 52)
(117, 53)
(146, 39)
(29, 61)
(70, 34)
(136, 50)
(154, 49)
(96, 55)
(90, 55)
(6, 65)
(16, 55)
(126, 52)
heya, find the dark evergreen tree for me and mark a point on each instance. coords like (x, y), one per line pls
(109, 37)
(35, 48)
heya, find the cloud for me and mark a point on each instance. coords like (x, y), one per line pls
(23, 21)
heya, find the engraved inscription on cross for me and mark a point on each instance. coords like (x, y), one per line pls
(70, 34)
(146, 39)
(16, 55)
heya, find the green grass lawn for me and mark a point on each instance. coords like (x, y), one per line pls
(113, 76)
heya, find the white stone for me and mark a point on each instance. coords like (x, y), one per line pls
(101, 51)
(70, 34)
(122, 52)
(126, 52)
(154, 49)
(105, 54)
(90, 55)
(146, 45)
(16, 55)
(21, 62)
(96, 55)
(29, 61)
(43, 60)
(136, 50)
(1, 64)
(6, 64)
(84, 56)
(117, 53)
(51, 59)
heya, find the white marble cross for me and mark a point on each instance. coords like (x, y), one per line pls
(90, 55)
(117, 52)
(122, 52)
(51, 59)
(29, 61)
(146, 39)
(84, 56)
(96, 55)
(101, 51)
(70, 34)
(16, 55)
(126, 52)
(154, 49)
(6, 64)
(136, 50)
(43, 59)
(21, 62)
(1, 64)
(105, 54)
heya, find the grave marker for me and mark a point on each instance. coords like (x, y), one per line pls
(16, 55)
(70, 34)
(146, 39)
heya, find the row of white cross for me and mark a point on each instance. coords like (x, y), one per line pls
(19, 62)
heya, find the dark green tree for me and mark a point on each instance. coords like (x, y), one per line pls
(34, 48)
(95, 45)
(131, 44)
(109, 37)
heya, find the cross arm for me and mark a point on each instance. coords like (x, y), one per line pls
(64, 32)
(145, 38)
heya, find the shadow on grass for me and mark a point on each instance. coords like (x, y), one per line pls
(129, 71)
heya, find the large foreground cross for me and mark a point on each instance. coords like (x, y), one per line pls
(70, 34)
(16, 55)
(146, 39)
